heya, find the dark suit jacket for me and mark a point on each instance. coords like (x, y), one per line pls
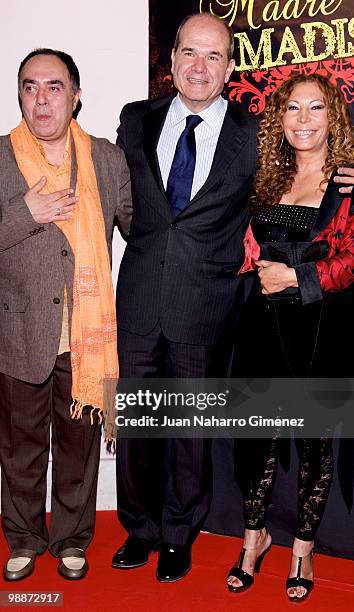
(182, 270)
(36, 261)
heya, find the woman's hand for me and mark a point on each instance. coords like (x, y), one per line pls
(346, 177)
(275, 276)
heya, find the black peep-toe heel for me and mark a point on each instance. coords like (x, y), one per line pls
(246, 579)
(299, 581)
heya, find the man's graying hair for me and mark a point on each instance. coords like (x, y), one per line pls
(228, 31)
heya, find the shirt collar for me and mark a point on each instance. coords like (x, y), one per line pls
(213, 115)
(67, 150)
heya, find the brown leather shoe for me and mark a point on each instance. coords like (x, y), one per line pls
(73, 564)
(18, 570)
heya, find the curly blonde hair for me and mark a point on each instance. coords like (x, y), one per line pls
(277, 163)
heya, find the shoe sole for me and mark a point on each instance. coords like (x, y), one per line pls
(174, 579)
(240, 589)
(68, 577)
(295, 600)
(128, 567)
(299, 600)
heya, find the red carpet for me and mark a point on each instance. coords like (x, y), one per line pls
(106, 589)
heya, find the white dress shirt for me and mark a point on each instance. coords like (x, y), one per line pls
(206, 138)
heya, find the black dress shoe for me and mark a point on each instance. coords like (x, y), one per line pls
(15, 569)
(174, 562)
(134, 553)
(73, 564)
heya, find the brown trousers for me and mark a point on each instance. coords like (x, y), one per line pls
(26, 413)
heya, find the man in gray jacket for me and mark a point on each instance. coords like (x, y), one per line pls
(46, 232)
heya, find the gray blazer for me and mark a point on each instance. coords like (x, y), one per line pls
(36, 261)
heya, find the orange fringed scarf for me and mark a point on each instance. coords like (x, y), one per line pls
(93, 344)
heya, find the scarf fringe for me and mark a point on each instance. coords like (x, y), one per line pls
(76, 409)
(111, 446)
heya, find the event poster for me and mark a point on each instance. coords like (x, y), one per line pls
(273, 40)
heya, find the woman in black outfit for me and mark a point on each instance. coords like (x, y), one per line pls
(297, 320)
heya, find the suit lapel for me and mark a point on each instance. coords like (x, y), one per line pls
(152, 126)
(331, 201)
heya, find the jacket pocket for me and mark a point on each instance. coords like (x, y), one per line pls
(220, 269)
(12, 301)
(13, 321)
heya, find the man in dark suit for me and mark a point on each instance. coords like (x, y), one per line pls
(192, 160)
(38, 358)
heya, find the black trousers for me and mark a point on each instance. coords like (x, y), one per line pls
(26, 412)
(164, 486)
